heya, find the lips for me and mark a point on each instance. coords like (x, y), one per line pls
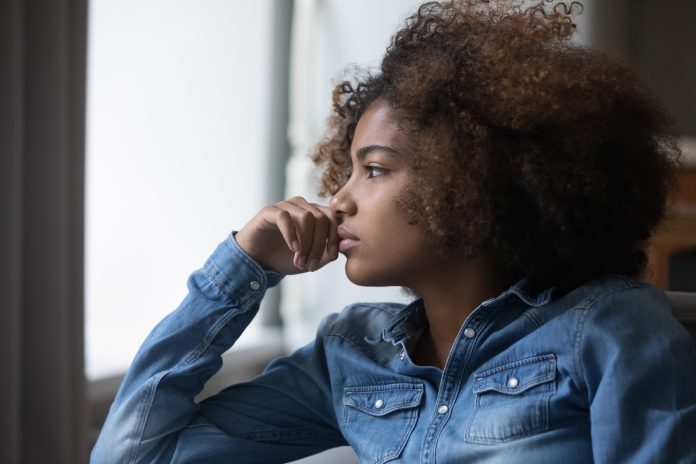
(348, 240)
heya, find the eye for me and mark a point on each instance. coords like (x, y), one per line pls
(375, 171)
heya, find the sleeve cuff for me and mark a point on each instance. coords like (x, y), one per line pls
(236, 275)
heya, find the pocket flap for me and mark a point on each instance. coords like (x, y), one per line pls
(379, 400)
(518, 376)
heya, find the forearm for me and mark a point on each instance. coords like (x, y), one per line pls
(155, 400)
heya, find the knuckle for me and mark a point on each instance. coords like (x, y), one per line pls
(282, 214)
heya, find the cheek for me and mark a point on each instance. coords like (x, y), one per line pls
(391, 259)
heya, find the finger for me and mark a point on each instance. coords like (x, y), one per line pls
(286, 226)
(334, 239)
(322, 226)
(314, 228)
(325, 239)
(303, 220)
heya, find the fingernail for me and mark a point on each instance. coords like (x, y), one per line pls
(295, 246)
(313, 265)
(301, 262)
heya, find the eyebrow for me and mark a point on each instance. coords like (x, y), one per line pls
(364, 151)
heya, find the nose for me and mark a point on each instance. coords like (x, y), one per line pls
(342, 203)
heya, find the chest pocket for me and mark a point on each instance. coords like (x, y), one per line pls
(512, 400)
(378, 419)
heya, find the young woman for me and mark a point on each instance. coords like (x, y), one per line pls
(510, 180)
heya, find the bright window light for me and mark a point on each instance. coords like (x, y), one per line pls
(177, 143)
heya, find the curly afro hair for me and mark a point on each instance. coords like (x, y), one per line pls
(549, 155)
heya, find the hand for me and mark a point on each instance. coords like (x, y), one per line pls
(291, 237)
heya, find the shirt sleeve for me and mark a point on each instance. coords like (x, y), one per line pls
(639, 366)
(282, 415)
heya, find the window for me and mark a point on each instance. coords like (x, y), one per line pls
(179, 121)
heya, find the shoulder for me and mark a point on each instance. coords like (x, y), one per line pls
(624, 301)
(627, 311)
(627, 337)
(616, 296)
(630, 319)
(611, 302)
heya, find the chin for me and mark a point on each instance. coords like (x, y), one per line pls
(367, 277)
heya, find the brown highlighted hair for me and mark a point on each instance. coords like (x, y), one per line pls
(548, 154)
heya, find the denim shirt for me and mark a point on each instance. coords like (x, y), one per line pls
(603, 373)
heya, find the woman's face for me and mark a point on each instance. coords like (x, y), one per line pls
(381, 247)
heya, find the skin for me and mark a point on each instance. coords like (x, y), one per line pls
(381, 248)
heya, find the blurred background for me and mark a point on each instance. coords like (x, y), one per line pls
(136, 134)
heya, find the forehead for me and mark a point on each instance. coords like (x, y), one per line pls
(379, 126)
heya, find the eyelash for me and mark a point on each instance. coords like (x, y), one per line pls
(372, 172)
(375, 169)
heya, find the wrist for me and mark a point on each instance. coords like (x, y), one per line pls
(271, 274)
(246, 247)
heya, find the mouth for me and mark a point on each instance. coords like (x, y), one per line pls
(348, 240)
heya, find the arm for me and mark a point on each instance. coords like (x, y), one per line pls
(639, 366)
(154, 417)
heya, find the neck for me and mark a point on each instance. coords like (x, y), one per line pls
(449, 295)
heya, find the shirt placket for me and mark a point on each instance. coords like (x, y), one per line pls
(464, 345)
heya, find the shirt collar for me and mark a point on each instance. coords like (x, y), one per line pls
(403, 323)
(529, 292)
(413, 315)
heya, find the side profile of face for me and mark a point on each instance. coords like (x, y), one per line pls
(380, 246)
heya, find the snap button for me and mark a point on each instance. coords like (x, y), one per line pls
(379, 404)
(254, 285)
(513, 382)
(469, 332)
(442, 409)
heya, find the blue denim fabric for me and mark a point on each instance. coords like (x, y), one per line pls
(602, 373)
